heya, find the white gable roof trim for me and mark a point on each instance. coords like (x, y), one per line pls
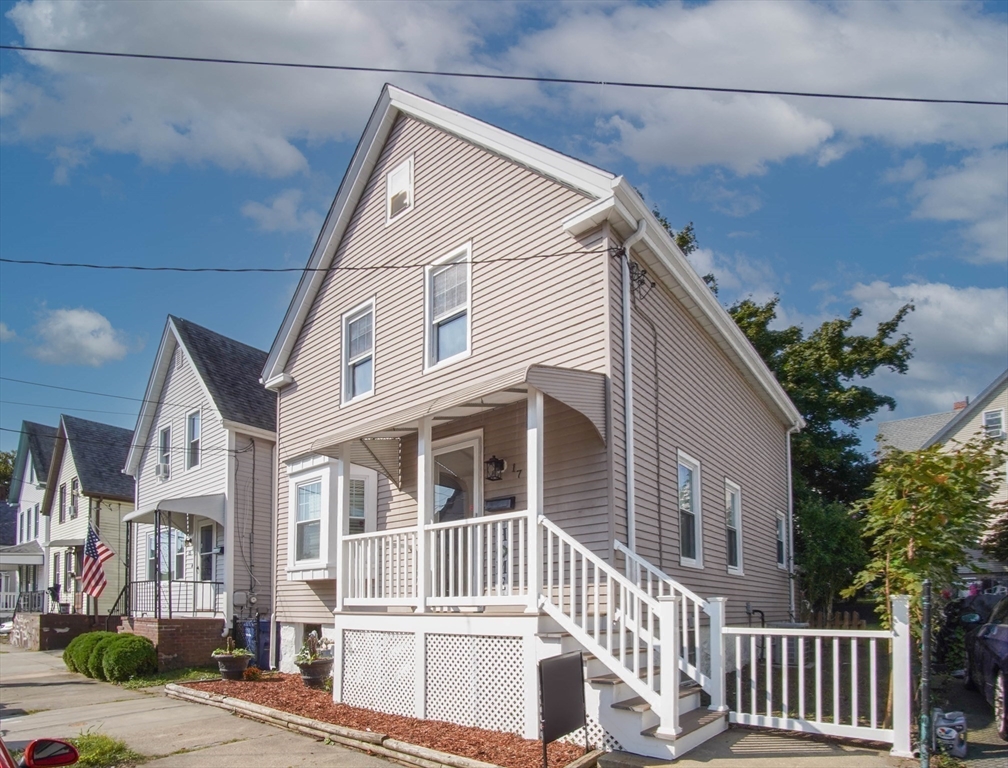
(967, 413)
(393, 101)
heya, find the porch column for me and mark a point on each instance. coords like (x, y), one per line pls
(342, 522)
(157, 563)
(534, 473)
(425, 511)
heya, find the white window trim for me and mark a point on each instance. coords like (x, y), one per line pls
(160, 455)
(780, 524)
(692, 562)
(389, 218)
(348, 317)
(188, 441)
(473, 439)
(461, 254)
(983, 422)
(738, 570)
(325, 470)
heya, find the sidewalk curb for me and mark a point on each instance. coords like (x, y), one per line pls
(365, 741)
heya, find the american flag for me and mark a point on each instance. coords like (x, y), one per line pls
(95, 554)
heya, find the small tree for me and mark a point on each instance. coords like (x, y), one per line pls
(925, 509)
(994, 542)
(828, 550)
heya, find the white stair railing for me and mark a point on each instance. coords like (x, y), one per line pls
(614, 619)
(656, 583)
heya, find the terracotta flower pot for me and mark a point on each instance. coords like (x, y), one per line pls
(232, 667)
(315, 673)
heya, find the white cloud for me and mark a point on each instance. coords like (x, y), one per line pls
(77, 337)
(975, 193)
(724, 199)
(960, 340)
(282, 214)
(6, 334)
(66, 159)
(738, 275)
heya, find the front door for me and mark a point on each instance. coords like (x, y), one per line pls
(458, 496)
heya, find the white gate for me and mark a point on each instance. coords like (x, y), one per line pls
(828, 681)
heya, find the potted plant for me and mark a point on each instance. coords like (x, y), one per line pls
(232, 661)
(315, 661)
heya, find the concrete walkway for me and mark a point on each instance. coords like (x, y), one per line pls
(38, 697)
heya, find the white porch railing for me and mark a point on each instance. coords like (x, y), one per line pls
(692, 609)
(8, 600)
(381, 568)
(828, 681)
(479, 561)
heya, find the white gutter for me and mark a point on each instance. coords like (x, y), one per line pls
(790, 521)
(628, 388)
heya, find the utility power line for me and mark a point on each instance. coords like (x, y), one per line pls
(66, 408)
(511, 78)
(111, 444)
(273, 270)
(92, 392)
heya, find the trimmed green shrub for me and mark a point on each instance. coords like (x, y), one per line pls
(68, 654)
(94, 664)
(83, 645)
(128, 656)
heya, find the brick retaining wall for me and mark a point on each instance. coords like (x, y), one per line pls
(183, 642)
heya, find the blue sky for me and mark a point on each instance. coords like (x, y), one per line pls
(829, 204)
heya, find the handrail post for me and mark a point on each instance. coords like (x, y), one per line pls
(715, 608)
(425, 512)
(668, 621)
(342, 525)
(534, 474)
(902, 694)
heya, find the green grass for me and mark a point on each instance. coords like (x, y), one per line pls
(100, 751)
(171, 676)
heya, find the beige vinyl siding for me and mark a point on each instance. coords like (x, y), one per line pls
(108, 517)
(973, 427)
(548, 311)
(181, 394)
(70, 529)
(617, 412)
(253, 516)
(707, 409)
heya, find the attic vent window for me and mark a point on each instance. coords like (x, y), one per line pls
(399, 190)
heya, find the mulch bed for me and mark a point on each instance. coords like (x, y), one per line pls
(288, 693)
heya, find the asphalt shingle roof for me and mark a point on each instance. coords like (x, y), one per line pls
(912, 434)
(99, 453)
(231, 372)
(41, 440)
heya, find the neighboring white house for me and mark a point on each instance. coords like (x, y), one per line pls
(85, 487)
(25, 564)
(201, 537)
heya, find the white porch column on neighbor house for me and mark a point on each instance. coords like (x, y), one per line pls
(342, 522)
(425, 510)
(534, 473)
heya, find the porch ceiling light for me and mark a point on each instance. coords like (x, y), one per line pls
(494, 468)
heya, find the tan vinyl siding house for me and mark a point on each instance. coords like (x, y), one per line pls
(476, 483)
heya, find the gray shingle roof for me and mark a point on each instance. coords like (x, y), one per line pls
(99, 453)
(41, 439)
(912, 434)
(231, 372)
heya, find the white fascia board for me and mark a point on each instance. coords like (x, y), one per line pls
(673, 259)
(149, 405)
(567, 170)
(248, 429)
(365, 156)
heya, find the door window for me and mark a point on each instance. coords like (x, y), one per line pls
(455, 482)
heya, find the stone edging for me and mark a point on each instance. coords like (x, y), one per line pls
(366, 741)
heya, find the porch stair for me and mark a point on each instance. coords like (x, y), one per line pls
(624, 628)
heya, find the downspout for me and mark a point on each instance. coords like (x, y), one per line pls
(790, 519)
(628, 420)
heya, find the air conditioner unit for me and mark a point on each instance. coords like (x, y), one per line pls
(162, 470)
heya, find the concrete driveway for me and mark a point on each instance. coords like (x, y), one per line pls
(38, 697)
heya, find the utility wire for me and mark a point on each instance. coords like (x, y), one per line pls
(112, 444)
(92, 392)
(492, 76)
(65, 408)
(273, 270)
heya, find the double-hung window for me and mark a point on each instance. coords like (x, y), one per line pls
(781, 540)
(399, 190)
(448, 307)
(993, 423)
(690, 528)
(164, 453)
(308, 534)
(206, 552)
(193, 440)
(62, 503)
(74, 497)
(733, 526)
(36, 521)
(358, 505)
(358, 352)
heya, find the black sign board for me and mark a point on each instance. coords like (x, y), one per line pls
(562, 698)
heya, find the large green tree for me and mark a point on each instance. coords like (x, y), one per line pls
(6, 471)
